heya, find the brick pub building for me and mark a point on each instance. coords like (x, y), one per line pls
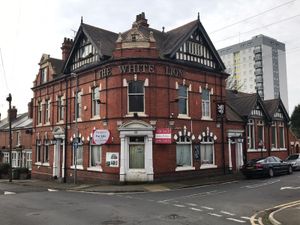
(136, 106)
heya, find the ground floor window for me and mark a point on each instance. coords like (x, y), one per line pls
(6, 157)
(28, 158)
(46, 152)
(207, 153)
(38, 151)
(16, 159)
(136, 153)
(78, 160)
(95, 156)
(183, 155)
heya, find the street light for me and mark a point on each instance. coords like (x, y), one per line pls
(9, 98)
(76, 139)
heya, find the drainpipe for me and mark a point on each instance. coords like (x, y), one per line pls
(66, 131)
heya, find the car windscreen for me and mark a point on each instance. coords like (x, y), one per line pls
(292, 157)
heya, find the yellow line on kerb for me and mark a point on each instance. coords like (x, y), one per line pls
(254, 220)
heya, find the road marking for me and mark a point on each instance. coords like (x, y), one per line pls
(202, 194)
(271, 216)
(215, 214)
(290, 188)
(228, 213)
(205, 207)
(52, 190)
(246, 217)
(9, 193)
(180, 206)
(163, 202)
(236, 220)
(191, 204)
(196, 209)
(260, 185)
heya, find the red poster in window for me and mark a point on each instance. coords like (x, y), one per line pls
(163, 136)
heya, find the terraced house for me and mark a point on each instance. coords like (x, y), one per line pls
(141, 105)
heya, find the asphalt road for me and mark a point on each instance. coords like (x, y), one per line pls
(228, 203)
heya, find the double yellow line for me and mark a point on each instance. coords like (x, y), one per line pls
(258, 221)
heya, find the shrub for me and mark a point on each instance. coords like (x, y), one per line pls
(4, 168)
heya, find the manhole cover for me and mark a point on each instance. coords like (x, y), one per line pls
(175, 217)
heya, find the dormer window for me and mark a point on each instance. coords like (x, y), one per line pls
(85, 54)
(44, 75)
(133, 37)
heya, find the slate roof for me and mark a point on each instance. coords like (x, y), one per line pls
(273, 104)
(232, 115)
(104, 40)
(241, 102)
(167, 42)
(57, 65)
(22, 121)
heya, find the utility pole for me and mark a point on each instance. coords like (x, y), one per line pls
(9, 98)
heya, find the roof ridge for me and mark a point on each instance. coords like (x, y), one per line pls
(92, 26)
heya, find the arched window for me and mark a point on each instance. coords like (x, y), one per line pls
(207, 149)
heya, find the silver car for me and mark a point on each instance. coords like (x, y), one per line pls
(294, 160)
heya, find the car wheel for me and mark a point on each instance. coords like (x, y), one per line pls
(248, 176)
(271, 172)
(290, 171)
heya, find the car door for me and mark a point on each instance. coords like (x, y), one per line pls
(281, 166)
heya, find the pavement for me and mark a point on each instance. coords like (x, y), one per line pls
(117, 188)
(283, 214)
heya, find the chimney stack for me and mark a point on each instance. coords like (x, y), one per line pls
(30, 109)
(66, 48)
(12, 114)
(141, 20)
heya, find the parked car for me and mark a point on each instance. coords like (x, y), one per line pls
(268, 166)
(294, 160)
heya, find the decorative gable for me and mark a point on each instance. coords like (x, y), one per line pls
(83, 54)
(257, 111)
(195, 49)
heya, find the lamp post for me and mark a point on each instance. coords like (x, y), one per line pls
(9, 98)
(76, 139)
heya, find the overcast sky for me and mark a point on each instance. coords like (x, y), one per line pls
(33, 27)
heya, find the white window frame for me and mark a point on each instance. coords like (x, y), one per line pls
(6, 157)
(206, 106)
(186, 141)
(28, 160)
(208, 165)
(128, 94)
(60, 109)
(18, 138)
(260, 124)
(46, 148)
(78, 166)
(182, 115)
(95, 105)
(39, 113)
(38, 152)
(47, 111)
(281, 126)
(97, 167)
(251, 135)
(275, 147)
(78, 104)
(44, 73)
